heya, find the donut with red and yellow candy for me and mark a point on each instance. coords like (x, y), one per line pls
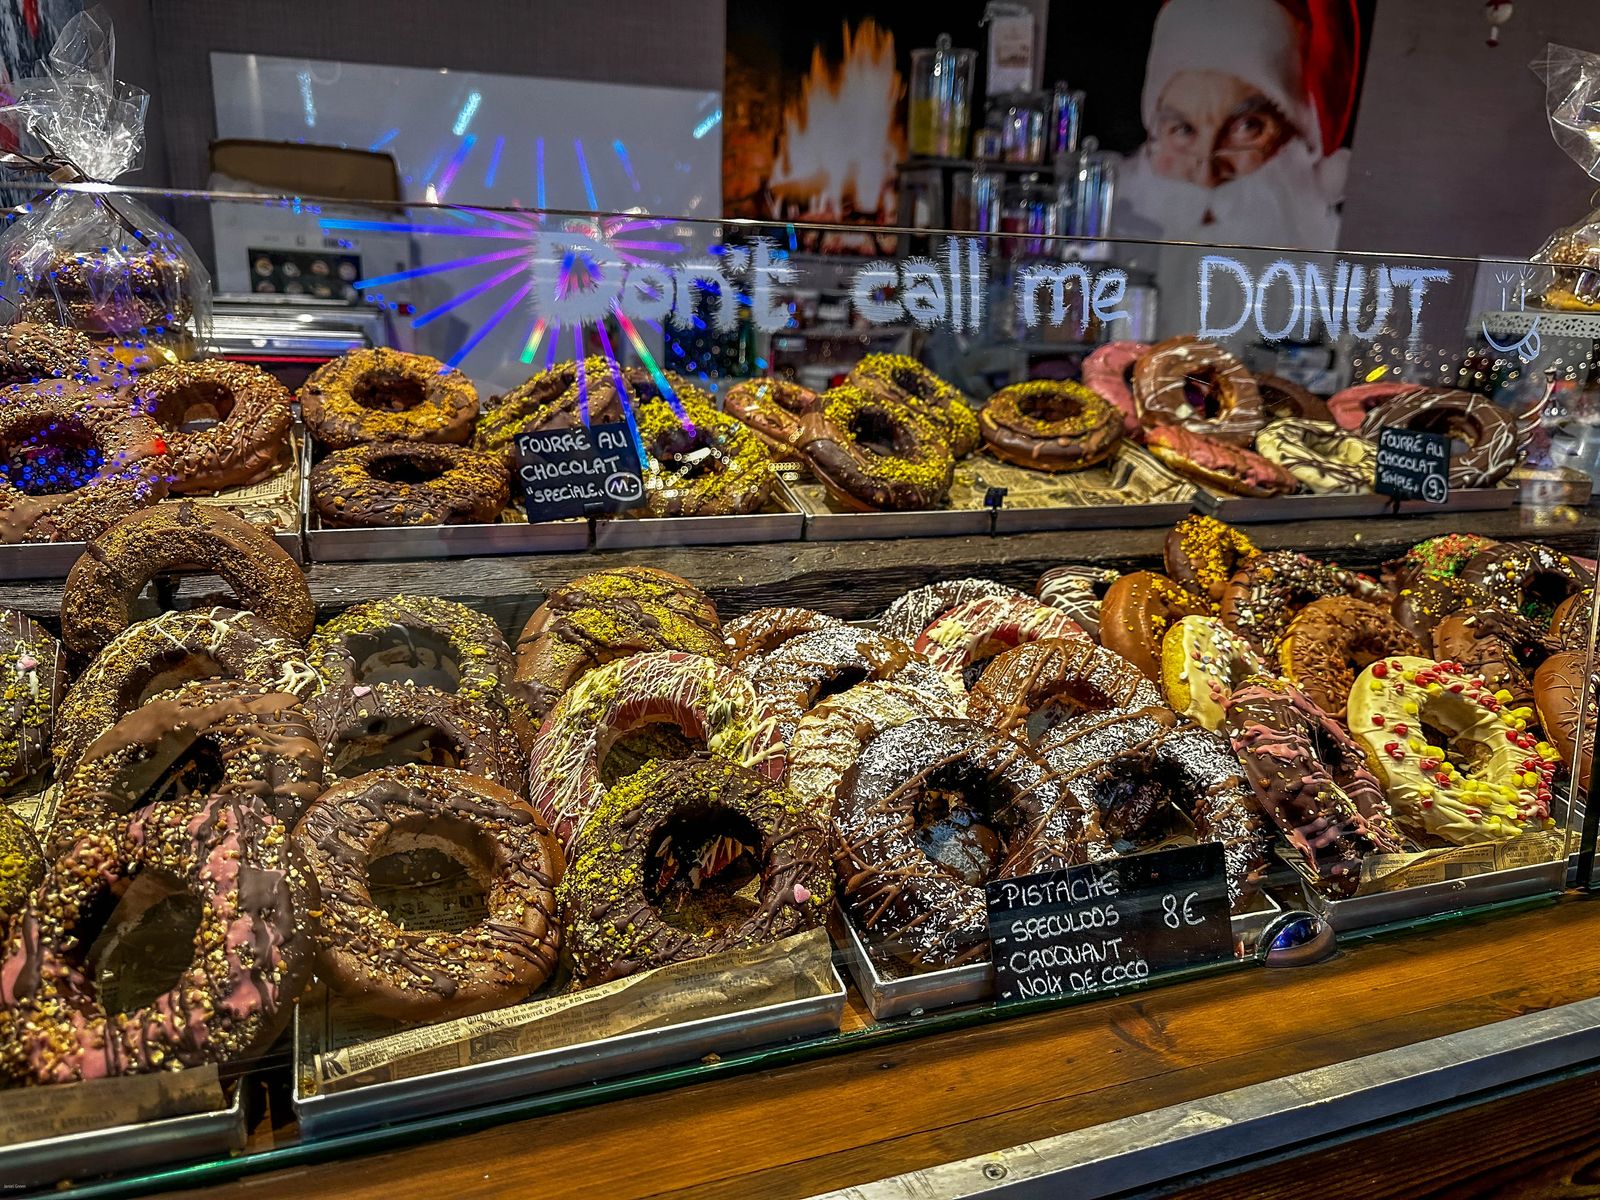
(1490, 781)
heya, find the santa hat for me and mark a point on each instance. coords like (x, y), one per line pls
(1259, 41)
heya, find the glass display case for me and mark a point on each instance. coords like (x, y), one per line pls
(491, 657)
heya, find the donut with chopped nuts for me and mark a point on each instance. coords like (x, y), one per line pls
(252, 415)
(21, 864)
(1265, 593)
(383, 395)
(901, 379)
(1331, 640)
(1202, 554)
(31, 352)
(395, 484)
(33, 678)
(366, 727)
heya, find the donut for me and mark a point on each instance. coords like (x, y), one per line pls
(1217, 463)
(1284, 398)
(1499, 647)
(391, 484)
(1202, 662)
(104, 585)
(772, 408)
(419, 640)
(32, 352)
(1349, 407)
(705, 464)
(805, 671)
(1050, 425)
(368, 727)
(1486, 778)
(250, 438)
(178, 749)
(22, 864)
(116, 290)
(165, 652)
(658, 874)
(707, 701)
(1321, 457)
(1331, 640)
(1078, 592)
(1199, 387)
(1129, 765)
(1136, 613)
(1569, 625)
(909, 614)
(1312, 780)
(902, 379)
(33, 677)
(1264, 594)
(1558, 693)
(1058, 679)
(1420, 606)
(383, 395)
(874, 455)
(1527, 578)
(1202, 554)
(547, 400)
(1488, 432)
(1108, 372)
(243, 888)
(605, 616)
(979, 629)
(410, 973)
(1438, 557)
(831, 736)
(764, 630)
(933, 810)
(72, 461)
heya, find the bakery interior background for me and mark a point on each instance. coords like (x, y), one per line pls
(1441, 139)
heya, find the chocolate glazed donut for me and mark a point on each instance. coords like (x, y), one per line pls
(658, 876)
(874, 455)
(1200, 387)
(385, 395)
(250, 438)
(1489, 431)
(1558, 691)
(1050, 425)
(97, 601)
(1060, 677)
(422, 974)
(30, 352)
(33, 678)
(1332, 640)
(1285, 398)
(772, 408)
(392, 484)
(1527, 578)
(764, 630)
(930, 812)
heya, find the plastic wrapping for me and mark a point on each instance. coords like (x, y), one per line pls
(1572, 100)
(94, 260)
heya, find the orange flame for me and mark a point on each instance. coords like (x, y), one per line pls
(843, 136)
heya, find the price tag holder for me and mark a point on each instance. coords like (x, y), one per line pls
(1108, 925)
(577, 470)
(1413, 465)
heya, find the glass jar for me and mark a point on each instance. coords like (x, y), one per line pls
(941, 100)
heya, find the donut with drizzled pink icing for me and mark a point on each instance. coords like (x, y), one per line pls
(709, 702)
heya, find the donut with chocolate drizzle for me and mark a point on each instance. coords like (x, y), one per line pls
(764, 630)
(1059, 679)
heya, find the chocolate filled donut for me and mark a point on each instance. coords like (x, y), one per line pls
(1312, 780)
(72, 461)
(1331, 641)
(1050, 425)
(902, 380)
(1285, 399)
(33, 678)
(1501, 648)
(1202, 555)
(702, 464)
(248, 439)
(874, 455)
(1136, 613)
(764, 630)
(933, 810)
(1036, 686)
(909, 614)
(772, 408)
(183, 746)
(158, 655)
(384, 395)
(1264, 594)
(417, 973)
(692, 857)
(1526, 578)
(104, 585)
(391, 484)
(368, 727)
(605, 616)
(1198, 386)
(227, 870)
(1487, 432)
(1438, 557)
(31, 352)
(1558, 695)
(1078, 592)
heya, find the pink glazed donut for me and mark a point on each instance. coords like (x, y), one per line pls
(1108, 371)
(1350, 407)
(705, 700)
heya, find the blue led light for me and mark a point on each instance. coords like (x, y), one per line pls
(494, 162)
(708, 125)
(384, 140)
(468, 111)
(588, 183)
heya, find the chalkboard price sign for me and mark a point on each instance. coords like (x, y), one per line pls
(575, 470)
(1110, 924)
(1413, 465)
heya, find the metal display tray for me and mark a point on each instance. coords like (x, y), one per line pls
(1436, 899)
(1097, 516)
(644, 533)
(888, 997)
(444, 541)
(335, 1113)
(53, 560)
(123, 1149)
(1246, 510)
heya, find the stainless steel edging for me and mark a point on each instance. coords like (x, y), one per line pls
(1171, 1143)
